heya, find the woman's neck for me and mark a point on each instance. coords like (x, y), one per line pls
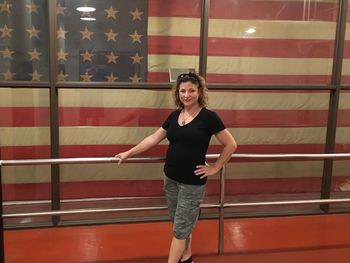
(192, 108)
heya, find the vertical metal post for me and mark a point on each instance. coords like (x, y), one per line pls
(334, 101)
(204, 38)
(2, 243)
(221, 211)
(54, 123)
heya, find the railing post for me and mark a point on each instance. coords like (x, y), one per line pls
(221, 211)
(54, 118)
(334, 101)
(2, 245)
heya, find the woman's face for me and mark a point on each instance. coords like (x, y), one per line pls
(188, 93)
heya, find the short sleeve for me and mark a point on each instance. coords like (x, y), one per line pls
(215, 124)
(166, 123)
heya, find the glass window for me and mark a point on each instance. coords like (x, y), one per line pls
(126, 41)
(277, 42)
(102, 123)
(25, 134)
(346, 53)
(273, 122)
(341, 177)
(24, 41)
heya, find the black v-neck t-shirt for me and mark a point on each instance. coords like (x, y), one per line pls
(188, 145)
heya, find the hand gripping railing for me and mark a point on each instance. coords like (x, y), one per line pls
(221, 205)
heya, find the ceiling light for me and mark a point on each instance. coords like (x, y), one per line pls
(86, 9)
(88, 18)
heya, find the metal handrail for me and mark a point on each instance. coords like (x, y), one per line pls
(147, 159)
(294, 202)
(96, 210)
(151, 208)
(221, 205)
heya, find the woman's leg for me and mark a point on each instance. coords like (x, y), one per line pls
(188, 251)
(185, 219)
(171, 190)
(177, 248)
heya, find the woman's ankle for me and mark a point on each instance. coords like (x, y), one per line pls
(186, 260)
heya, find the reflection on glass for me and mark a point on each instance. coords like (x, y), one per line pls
(103, 42)
(277, 42)
(341, 168)
(25, 134)
(126, 41)
(23, 40)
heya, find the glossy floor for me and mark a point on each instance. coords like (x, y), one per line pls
(321, 239)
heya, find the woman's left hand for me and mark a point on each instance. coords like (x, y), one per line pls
(205, 170)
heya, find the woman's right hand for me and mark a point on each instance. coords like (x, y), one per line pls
(122, 156)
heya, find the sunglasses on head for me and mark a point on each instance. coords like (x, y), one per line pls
(188, 77)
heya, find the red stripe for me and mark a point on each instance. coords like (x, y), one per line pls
(262, 79)
(342, 148)
(126, 117)
(25, 152)
(252, 79)
(24, 116)
(289, 48)
(280, 48)
(154, 188)
(174, 8)
(347, 46)
(273, 10)
(175, 45)
(345, 79)
(76, 151)
(139, 117)
(68, 151)
(252, 10)
(158, 77)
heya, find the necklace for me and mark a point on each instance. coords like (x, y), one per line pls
(184, 119)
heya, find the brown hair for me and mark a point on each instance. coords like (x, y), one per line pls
(195, 79)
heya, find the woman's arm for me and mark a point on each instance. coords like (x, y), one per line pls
(144, 145)
(230, 146)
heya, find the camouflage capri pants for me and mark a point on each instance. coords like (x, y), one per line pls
(183, 202)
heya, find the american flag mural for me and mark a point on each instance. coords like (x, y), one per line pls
(293, 42)
(24, 42)
(109, 44)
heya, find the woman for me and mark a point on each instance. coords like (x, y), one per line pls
(188, 129)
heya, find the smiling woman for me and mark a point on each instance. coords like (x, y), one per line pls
(189, 130)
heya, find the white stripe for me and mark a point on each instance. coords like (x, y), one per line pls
(229, 100)
(162, 63)
(283, 169)
(20, 97)
(173, 26)
(133, 135)
(271, 101)
(305, 1)
(26, 174)
(344, 100)
(343, 135)
(154, 171)
(346, 65)
(245, 65)
(24, 136)
(107, 98)
(269, 66)
(87, 135)
(271, 29)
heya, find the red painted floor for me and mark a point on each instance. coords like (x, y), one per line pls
(319, 239)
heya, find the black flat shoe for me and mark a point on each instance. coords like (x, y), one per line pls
(189, 260)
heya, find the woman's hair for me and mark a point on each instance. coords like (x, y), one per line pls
(195, 79)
